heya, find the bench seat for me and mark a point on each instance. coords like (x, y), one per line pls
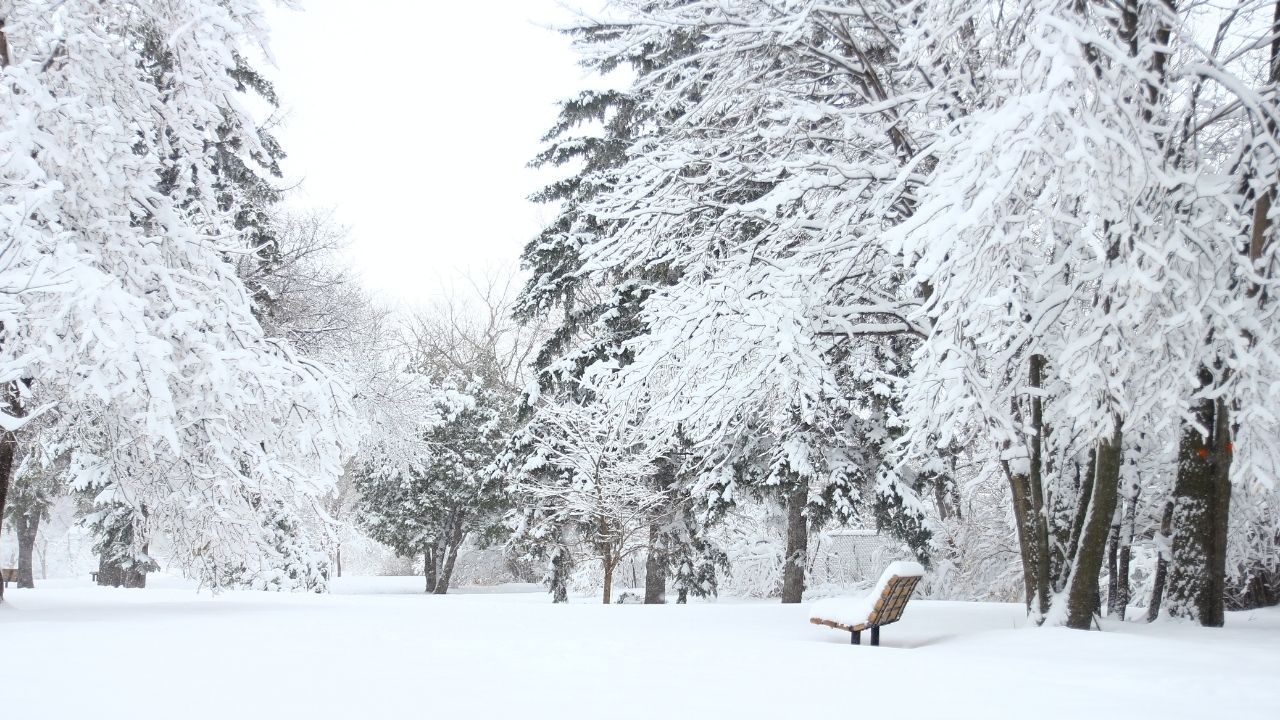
(882, 606)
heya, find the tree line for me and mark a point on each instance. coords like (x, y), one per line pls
(897, 263)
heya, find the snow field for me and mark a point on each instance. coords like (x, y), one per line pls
(379, 648)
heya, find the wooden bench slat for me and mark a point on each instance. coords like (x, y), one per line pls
(888, 608)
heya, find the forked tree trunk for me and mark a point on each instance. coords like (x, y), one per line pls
(1082, 588)
(1078, 519)
(797, 542)
(655, 569)
(451, 558)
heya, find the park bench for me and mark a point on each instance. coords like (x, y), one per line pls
(883, 605)
(9, 575)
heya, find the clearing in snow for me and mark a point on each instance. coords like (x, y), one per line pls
(378, 647)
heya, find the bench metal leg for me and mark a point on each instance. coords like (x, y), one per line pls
(875, 635)
(855, 640)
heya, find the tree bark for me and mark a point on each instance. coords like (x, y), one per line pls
(561, 565)
(609, 562)
(1035, 481)
(1082, 588)
(1021, 516)
(1123, 588)
(429, 568)
(1202, 497)
(797, 542)
(655, 569)
(1113, 561)
(8, 446)
(451, 558)
(1081, 514)
(1162, 563)
(26, 527)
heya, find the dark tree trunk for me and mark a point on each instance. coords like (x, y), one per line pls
(1123, 588)
(27, 527)
(8, 446)
(1082, 512)
(1202, 496)
(655, 569)
(1113, 562)
(450, 559)
(797, 542)
(1162, 563)
(1082, 589)
(429, 568)
(1022, 524)
(1039, 520)
(561, 566)
(609, 562)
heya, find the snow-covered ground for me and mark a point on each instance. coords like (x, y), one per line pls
(379, 648)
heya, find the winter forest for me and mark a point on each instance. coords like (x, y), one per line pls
(980, 295)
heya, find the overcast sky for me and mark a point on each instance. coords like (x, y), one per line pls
(414, 121)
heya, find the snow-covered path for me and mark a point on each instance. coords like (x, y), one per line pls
(368, 651)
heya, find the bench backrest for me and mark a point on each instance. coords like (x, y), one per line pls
(893, 600)
(9, 574)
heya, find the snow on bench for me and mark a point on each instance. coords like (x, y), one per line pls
(883, 605)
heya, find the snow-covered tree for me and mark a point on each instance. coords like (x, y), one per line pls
(119, 303)
(443, 489)
(579, 489)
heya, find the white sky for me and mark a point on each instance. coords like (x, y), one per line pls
(414, 121)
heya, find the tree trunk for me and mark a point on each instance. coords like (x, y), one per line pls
(8, 446)
(1082, 588)
(561, 565)
(1202, 496)
(26, 527)
(451, 558)
(609, 563)
(1077, 522)
(655, 569)
(8, 440)
(1021, 515)
(1124, 591)
(1162, 543)
(429, 568)
(1113, 561)
(797, 542)
(1035, 481)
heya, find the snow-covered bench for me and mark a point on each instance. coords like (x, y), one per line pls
(883, 605)
(8, 575)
